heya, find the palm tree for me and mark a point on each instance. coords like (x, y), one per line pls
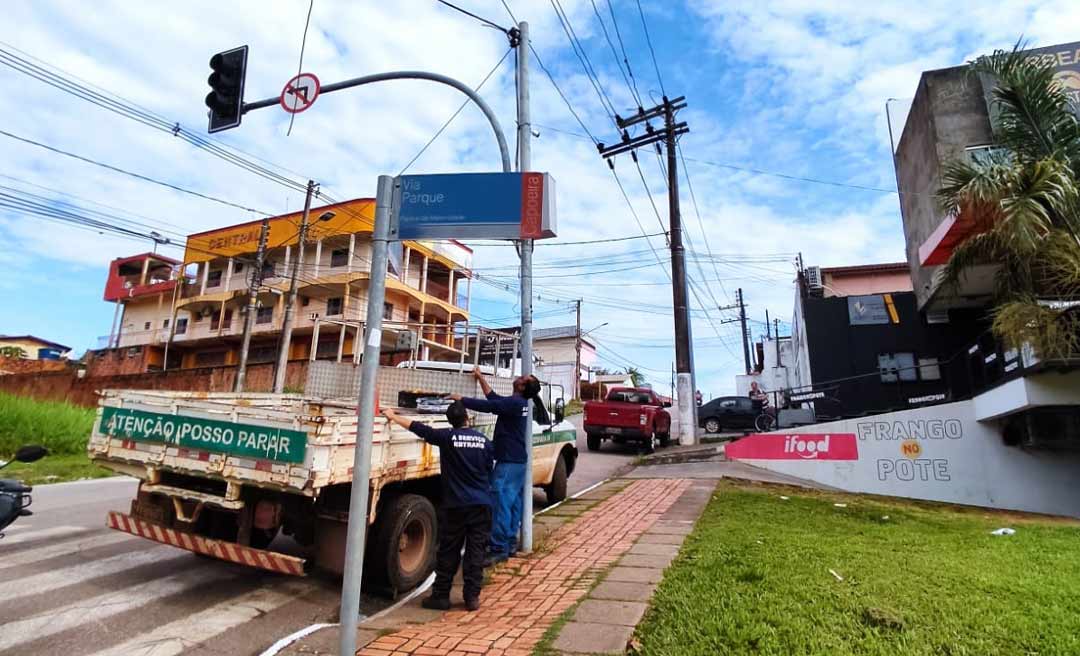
(636, 377)
(1025, 200)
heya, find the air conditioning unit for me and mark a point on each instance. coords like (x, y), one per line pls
(814, 284)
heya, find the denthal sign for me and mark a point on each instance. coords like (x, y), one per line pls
(246, 440)
(474, 206)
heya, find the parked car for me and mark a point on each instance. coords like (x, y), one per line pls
(634, 414)
(727, 413)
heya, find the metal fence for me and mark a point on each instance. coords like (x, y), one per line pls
(341, 380)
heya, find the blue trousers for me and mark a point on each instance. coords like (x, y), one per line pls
(508, 484)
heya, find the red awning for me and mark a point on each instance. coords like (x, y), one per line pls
(952, 230)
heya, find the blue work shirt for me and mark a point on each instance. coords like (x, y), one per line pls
(512, 414)
(466, 458)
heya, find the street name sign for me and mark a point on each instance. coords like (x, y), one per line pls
(474, 206)
(244, 440)
(300, 93)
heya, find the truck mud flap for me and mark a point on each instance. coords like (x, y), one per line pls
(228, 551)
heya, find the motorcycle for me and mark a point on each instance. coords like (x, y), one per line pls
(14, 496)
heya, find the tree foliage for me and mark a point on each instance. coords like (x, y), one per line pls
(1024, 197)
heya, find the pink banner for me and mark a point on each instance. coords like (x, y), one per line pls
(772, 446)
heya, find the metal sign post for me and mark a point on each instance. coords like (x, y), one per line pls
(365, 419)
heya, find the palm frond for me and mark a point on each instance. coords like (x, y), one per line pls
(1053, 333)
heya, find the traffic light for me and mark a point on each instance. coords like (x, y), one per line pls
(227, 81)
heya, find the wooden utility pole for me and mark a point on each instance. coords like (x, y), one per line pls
(577, 355)
(252, 306)
(684, 360)
(290, 301)
(745, 335)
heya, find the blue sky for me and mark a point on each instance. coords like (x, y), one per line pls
(785, 86)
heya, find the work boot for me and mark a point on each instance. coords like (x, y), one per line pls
(472, 604)
(436, 603)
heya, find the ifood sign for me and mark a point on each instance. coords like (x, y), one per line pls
(770, 446)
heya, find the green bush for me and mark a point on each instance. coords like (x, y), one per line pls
(61, 428)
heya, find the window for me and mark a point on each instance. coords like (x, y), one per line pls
(304, 300)
(237, 267)
(268, 269)
(146, 326)
(213, 279)
(210, 359)
(388, 311)
(745, 404)
(265, 315)
(165, 324)
(897, 366)
(215, 320)
(339, 257)
(929, 369)
(262, 354)
(333, 306)
(133, 351)
(181, 325)
(729, 403)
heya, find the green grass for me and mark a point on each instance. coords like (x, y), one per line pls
(55, 469)
(753, 578)
(61, 428)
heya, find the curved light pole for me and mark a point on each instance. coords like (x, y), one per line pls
(504, 152)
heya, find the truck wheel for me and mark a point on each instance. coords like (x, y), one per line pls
(593, 442)
(404, 543)
(556, 490)
(665, 439)
(650, 444)
(712, 425)
(262, 537)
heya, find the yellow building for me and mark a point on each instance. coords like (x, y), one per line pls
(191, 313)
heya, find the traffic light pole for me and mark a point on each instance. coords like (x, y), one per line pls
(524, 135)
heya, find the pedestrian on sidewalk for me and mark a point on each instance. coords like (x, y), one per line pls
(512, 432)
(466, 459)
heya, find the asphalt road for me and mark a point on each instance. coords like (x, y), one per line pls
(73, 588)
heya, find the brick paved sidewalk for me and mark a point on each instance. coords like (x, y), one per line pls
(527, 595)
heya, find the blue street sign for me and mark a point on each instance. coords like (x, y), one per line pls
(473, 206)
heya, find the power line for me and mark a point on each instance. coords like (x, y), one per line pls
(562, 95)
(626, 60)
(648, 40)
(479, 18)
(590, 73)
(632, 88)
(300, 66)
(130, 173)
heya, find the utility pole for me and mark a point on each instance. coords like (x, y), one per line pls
(777, 332)
(684, 358)
(745, 335)
(524, 148)
(577, 355)
(253, 298)
(290, 302)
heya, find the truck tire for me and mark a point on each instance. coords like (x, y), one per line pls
(593, 442)
(403, 543)
(665, 439)
(556, 490)
(650, 444)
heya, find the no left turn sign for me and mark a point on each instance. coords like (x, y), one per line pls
(299, 93)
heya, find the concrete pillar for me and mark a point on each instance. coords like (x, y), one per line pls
(286, 271)
(352, 250)
(205, 275)
(405, 265)
(450, 289)
(314, 341)
(341, 342)
(423, 276)
(318, 258)
(468, 292)
(145, 270)
(228, 273)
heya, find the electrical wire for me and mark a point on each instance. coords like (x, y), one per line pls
(652, 53)
(300, 66)
(132, 174)
(479, 18)
(607, 37)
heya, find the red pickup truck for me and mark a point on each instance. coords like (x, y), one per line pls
(628, 414)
